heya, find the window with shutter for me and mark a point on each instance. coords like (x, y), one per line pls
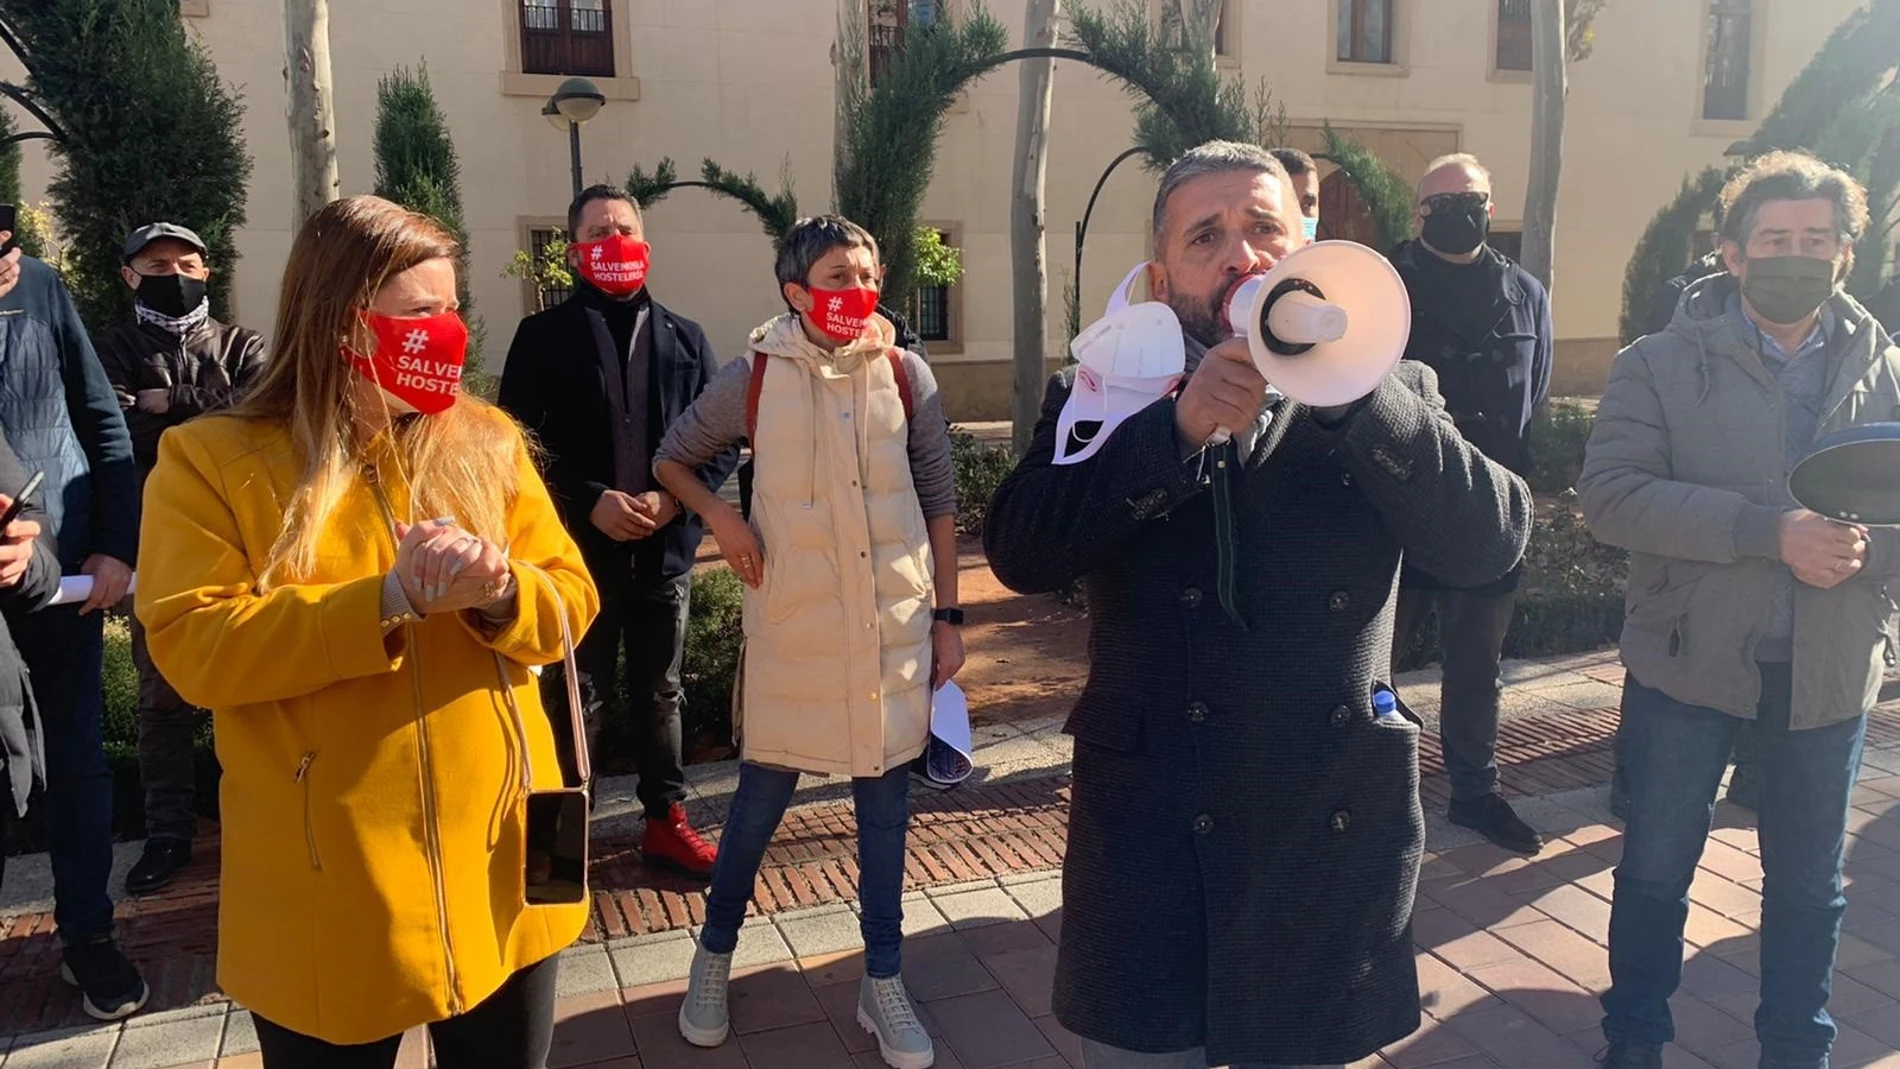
(1731, 49)
(1365, 31)
(567, 37)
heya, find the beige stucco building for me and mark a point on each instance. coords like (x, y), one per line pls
(749, 83)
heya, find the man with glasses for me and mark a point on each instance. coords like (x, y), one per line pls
(1483, 324)
(1743, 607)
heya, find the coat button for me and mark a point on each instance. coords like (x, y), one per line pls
(1345, 478)
(1197, 713)
(1341, 716)
(1338, 601)
(1341, 820)
(1191, 597)
(1203, 824)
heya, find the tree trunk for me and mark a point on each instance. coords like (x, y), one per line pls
(1547, 138)
(1027, 214)
(312, 106)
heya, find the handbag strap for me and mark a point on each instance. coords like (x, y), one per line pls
(583, 759)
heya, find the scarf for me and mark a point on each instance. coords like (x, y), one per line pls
(180, 327)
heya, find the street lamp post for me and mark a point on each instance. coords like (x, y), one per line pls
(575, 102)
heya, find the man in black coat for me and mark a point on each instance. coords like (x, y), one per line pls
(1483, 324)
(170, 362)
(598, 379)
(1245, 831)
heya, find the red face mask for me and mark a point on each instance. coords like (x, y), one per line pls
(417, 362)
(615, 265)
(842, 314)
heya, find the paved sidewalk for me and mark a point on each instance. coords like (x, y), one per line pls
(1511, 951)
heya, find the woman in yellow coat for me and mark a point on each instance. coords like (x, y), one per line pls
(355, 571)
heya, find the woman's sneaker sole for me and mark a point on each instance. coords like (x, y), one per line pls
(702, 1037)
(892, 1058)
(97, 1014)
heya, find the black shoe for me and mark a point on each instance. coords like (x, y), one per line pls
(161, 863)
(1492, 817)
(1629, 1056)
(111, 986)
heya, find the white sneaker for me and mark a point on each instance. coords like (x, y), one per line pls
(705, 1020)
(884, 1010)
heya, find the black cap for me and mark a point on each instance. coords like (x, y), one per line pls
(145, 235)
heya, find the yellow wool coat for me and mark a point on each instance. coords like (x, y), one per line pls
(372, 803)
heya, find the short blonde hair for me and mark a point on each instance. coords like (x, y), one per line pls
(1451, 159)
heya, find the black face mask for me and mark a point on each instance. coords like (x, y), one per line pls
(176, 296)
(1458, 232)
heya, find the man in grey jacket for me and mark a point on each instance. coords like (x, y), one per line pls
(1743, 606)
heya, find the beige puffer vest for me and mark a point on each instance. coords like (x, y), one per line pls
(835, 678)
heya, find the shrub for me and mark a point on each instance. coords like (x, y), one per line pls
(1557, 443)
(980, 470)
(1569, 597)
(152, 132)
(713, 638)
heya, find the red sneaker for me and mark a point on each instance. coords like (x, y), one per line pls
(672, 843)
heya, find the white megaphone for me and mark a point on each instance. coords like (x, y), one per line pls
(1325, 325)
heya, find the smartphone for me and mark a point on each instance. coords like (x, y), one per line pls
(557, 847)
(19, 501)
(9, 222)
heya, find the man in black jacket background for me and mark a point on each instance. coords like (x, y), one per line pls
(598, 379)
(170, 362)
(1483, 324)
(59, 415)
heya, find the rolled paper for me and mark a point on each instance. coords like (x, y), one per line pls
(74, 589)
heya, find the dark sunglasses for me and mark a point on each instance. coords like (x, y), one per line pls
(1446, 203)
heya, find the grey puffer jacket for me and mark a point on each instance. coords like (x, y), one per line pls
(1687, 468)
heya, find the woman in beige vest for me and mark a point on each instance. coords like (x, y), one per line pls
(852, 624)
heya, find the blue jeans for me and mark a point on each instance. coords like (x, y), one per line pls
(883, 812)
(1675, 754)
(65, 653)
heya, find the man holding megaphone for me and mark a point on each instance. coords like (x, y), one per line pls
(1245, 830)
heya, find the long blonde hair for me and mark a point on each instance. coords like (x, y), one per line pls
(462, 463)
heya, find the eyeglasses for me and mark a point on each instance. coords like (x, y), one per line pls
(1444, 203)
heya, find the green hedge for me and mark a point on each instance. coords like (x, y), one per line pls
(980, 470)
(1557, 443)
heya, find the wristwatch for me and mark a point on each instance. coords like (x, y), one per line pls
(953, 617)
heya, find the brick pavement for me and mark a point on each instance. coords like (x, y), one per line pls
(1510, 951)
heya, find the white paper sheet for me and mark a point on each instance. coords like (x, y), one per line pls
(75, 589)
(947, 759)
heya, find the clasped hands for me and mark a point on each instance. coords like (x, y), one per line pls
(443, 568)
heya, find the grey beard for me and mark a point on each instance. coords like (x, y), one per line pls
(1203, 321)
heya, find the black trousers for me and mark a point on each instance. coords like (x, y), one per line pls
(514, 1029)
(648, 623)
(1471, 630)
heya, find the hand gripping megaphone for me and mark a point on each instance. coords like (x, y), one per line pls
(1325, 325)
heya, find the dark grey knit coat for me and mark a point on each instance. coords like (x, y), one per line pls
(1244, 836)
